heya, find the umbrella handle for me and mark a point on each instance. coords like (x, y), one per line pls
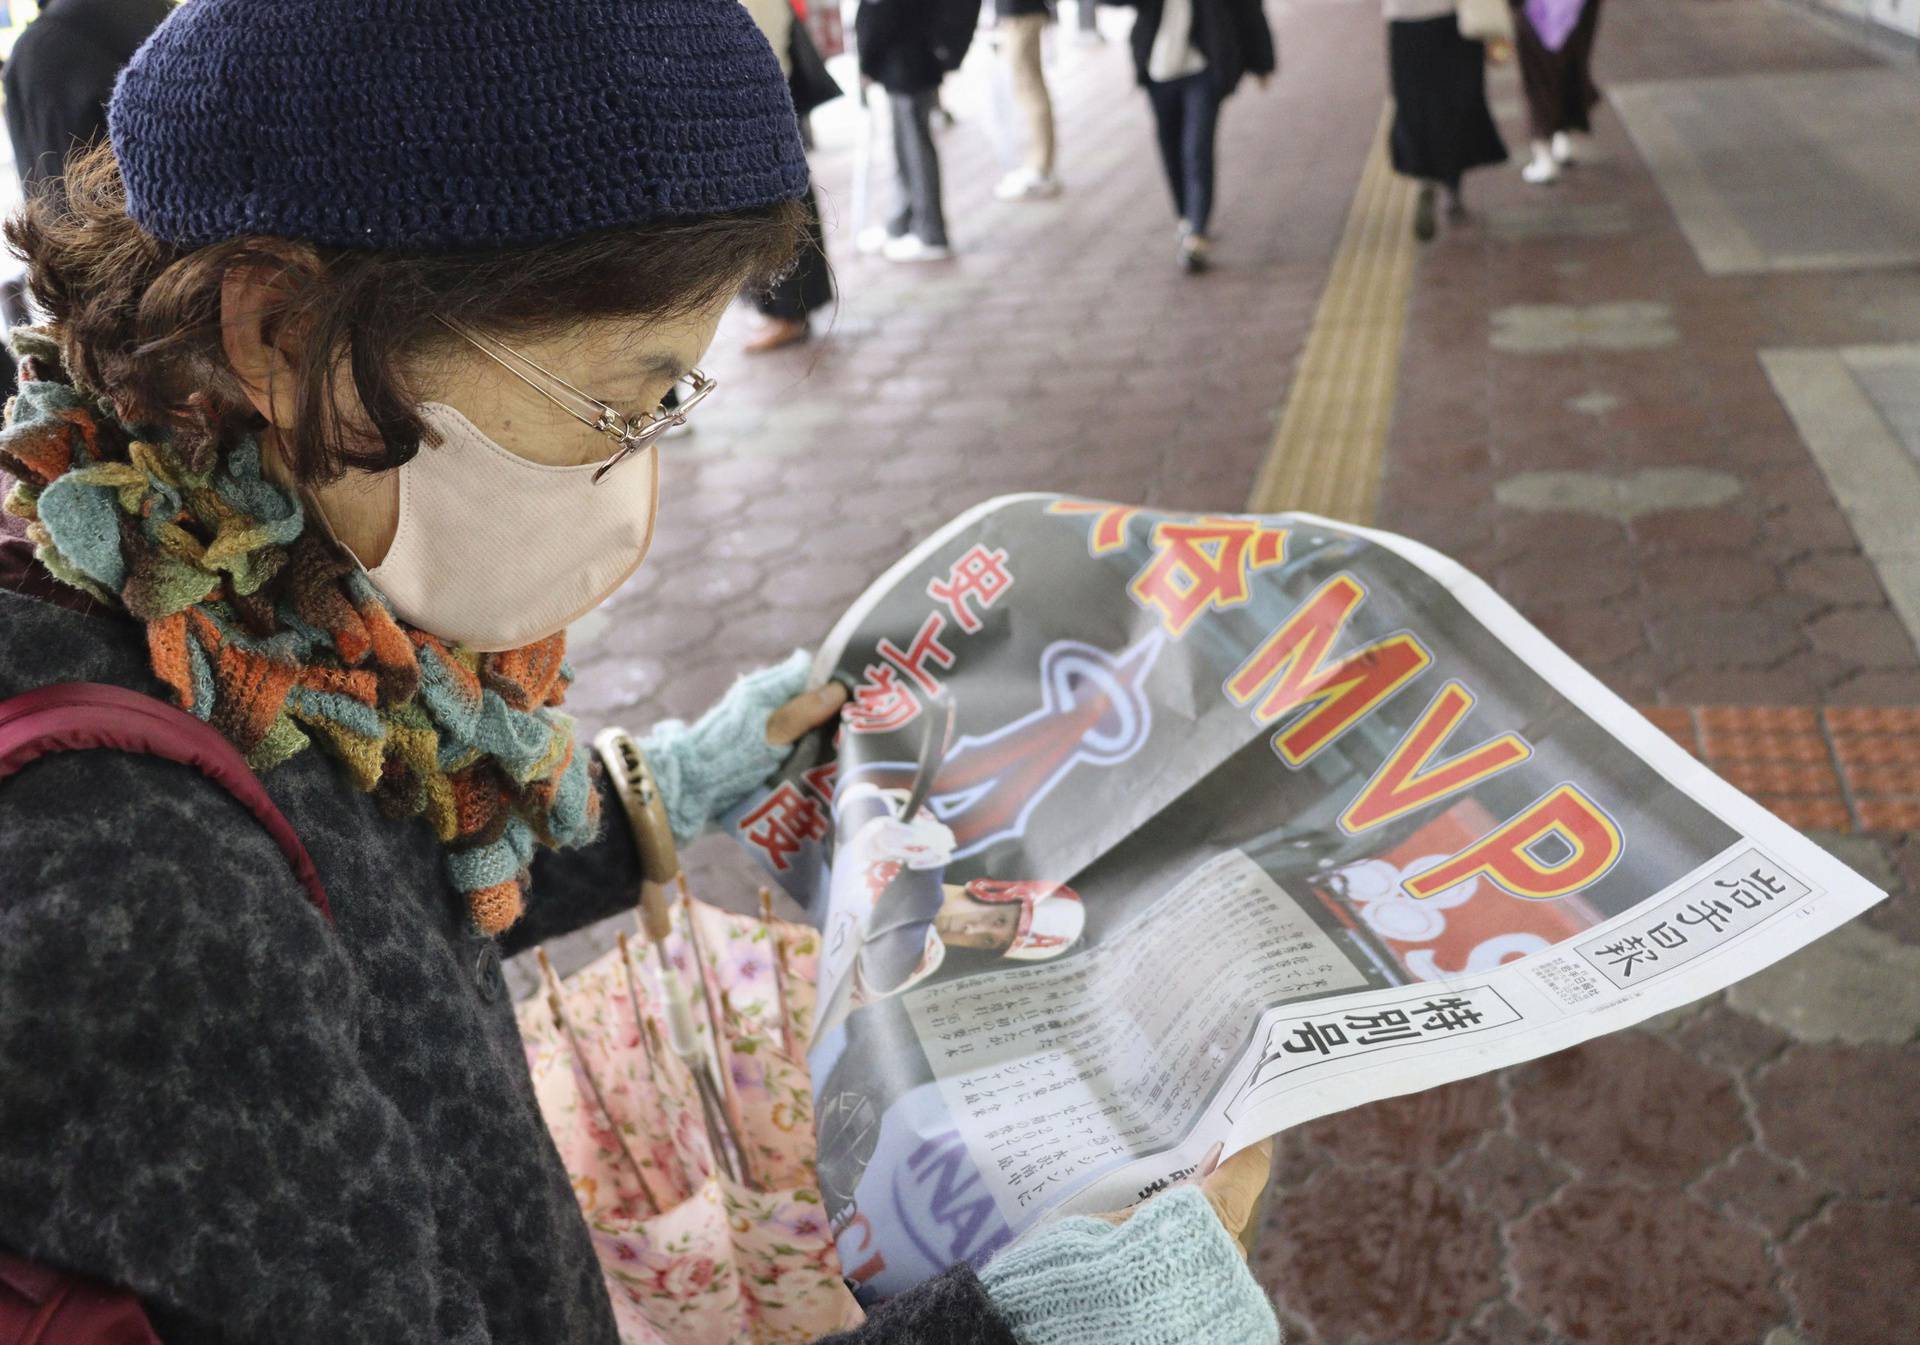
(646, 814)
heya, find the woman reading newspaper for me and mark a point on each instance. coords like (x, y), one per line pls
(311, 471)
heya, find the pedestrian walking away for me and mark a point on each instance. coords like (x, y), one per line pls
(1022, 24)
(303, 491)
(57, 81)
(1189, 56)
(1442, 126)
(908, 47)
(61, 72)
(1553, 40)
(787, 305)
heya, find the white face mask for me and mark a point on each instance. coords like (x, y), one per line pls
(495, 552)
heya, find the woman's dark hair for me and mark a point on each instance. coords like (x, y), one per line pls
(138, 319)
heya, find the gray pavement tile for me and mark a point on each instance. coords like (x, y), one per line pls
(1770, 172)
(1855, 985)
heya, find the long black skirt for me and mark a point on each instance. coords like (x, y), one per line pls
(1441, 124)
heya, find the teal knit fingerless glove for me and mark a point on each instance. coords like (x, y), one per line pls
(1169, 1275)
(704, 770)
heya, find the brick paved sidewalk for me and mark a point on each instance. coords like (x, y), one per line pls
(1060, 350)
(1583, 418)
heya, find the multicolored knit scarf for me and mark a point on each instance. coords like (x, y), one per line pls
(264, 629)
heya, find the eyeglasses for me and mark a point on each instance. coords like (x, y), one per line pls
(631, 433)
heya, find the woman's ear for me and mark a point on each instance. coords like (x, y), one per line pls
(259, 341)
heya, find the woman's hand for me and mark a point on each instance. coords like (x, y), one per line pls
(1232, 1188)
(706, 769)
(805, 713)
(1173, 1269)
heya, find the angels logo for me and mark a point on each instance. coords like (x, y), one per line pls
(942, 1204)
(1093, 712)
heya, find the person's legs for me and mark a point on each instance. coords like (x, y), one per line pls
(906, 131)
(1168, 113)
(922, 166)
(1540, 82)
(1578, 92)
(1426, 212)
(1030, 89)
(809, 285)
(1199, 121)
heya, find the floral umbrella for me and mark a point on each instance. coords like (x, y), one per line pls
(709, 1228)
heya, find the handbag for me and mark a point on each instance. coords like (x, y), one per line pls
(40, 1305)
(1486, 20)
(809, 82)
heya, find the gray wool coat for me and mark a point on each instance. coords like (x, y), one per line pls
(271, 1130)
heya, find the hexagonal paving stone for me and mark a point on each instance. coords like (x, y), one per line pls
(1899, 914)
(1607, 1264)
(1850, 1272)
(1731, 1040)
(1847, 1114)
(1763, 1189)
(1873, 637)
(1630, 1107)
(1420, 1130)
(1386, 1256)
(1502, 1324)
(1837, 577)
(1506, 1175)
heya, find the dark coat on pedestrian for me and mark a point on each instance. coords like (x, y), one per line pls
(1232, 34)
(909, 46)
(1015, 9)
(61, 74)
(269, 1128)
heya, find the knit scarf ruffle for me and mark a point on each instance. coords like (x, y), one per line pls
(264, 629)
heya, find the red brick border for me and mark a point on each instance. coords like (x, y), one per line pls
(1831, 768)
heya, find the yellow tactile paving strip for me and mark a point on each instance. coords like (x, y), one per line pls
(1833, 768)
(1325, 457)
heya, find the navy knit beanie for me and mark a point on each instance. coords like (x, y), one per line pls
(435, 125)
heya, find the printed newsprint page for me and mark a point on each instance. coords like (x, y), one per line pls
(1146, 830)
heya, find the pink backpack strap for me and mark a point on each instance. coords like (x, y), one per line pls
(43, 1306)
(89, 716)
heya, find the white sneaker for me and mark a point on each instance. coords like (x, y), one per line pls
(872, 238)
(1023, 185)
(1541, 171)
(1570, 147)
(909, 248)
